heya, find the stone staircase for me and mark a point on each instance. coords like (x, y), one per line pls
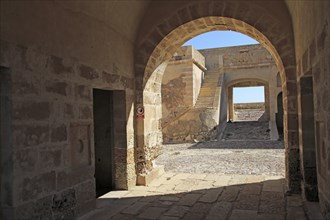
(208, 97)
(199, 122)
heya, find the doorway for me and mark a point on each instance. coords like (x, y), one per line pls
(103, 140)
(279, 115)
(307, 146)
(6, 167)
(248, 103)
(255, 107)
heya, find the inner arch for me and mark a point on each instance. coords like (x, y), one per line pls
(154, 52)
(169, 44)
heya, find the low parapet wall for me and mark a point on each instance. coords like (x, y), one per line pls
(254, 105)
(249, 111)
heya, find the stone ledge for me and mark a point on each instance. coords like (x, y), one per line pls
(145, 180)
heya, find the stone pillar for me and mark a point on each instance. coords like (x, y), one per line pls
(230, 111)
(267, 102)
(148, 129)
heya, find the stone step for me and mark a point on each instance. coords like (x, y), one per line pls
(207, 97)
(208, 90)
(209, 93)
(211, 85)
(211, 79)
(205, 101)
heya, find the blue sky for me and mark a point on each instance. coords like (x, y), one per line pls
(248, 94)
(216, 39)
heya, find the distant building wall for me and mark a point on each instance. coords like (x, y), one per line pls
(247, 62)
(239, 66)
(182, 82)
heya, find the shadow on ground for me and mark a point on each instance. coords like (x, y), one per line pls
(241, 144)
(194, 199)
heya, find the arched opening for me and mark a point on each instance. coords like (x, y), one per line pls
(194, 99)
(165, 37)
(252, 120)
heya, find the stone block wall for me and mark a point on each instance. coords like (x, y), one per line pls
(52, 134)
(249, 111)
(57, 51)
(181, 82)
(197, 124)
(246, 56)
(311, 23)
(176, 23)
(247, 63)
(240, 66)
(52, 76)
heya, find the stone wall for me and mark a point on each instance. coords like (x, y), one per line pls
(165, 27)
(238, 56)
(247, 63)
(181, 82)
(56, 55)
(243, 66)
(249, 111)
(195, 125)
(311, 24)
(52, 114)
(253, 105)
(55, 52)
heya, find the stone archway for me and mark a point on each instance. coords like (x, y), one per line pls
(247, 83)
(267, 22)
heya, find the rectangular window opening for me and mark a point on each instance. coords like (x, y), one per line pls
(249, 103)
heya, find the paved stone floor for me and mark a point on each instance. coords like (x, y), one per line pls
(205, 196)
(212, 180)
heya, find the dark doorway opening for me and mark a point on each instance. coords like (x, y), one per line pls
(6, 168)
(279, 115)
(307, 146)
(103, 140)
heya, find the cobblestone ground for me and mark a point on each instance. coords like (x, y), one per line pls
(225, 157)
